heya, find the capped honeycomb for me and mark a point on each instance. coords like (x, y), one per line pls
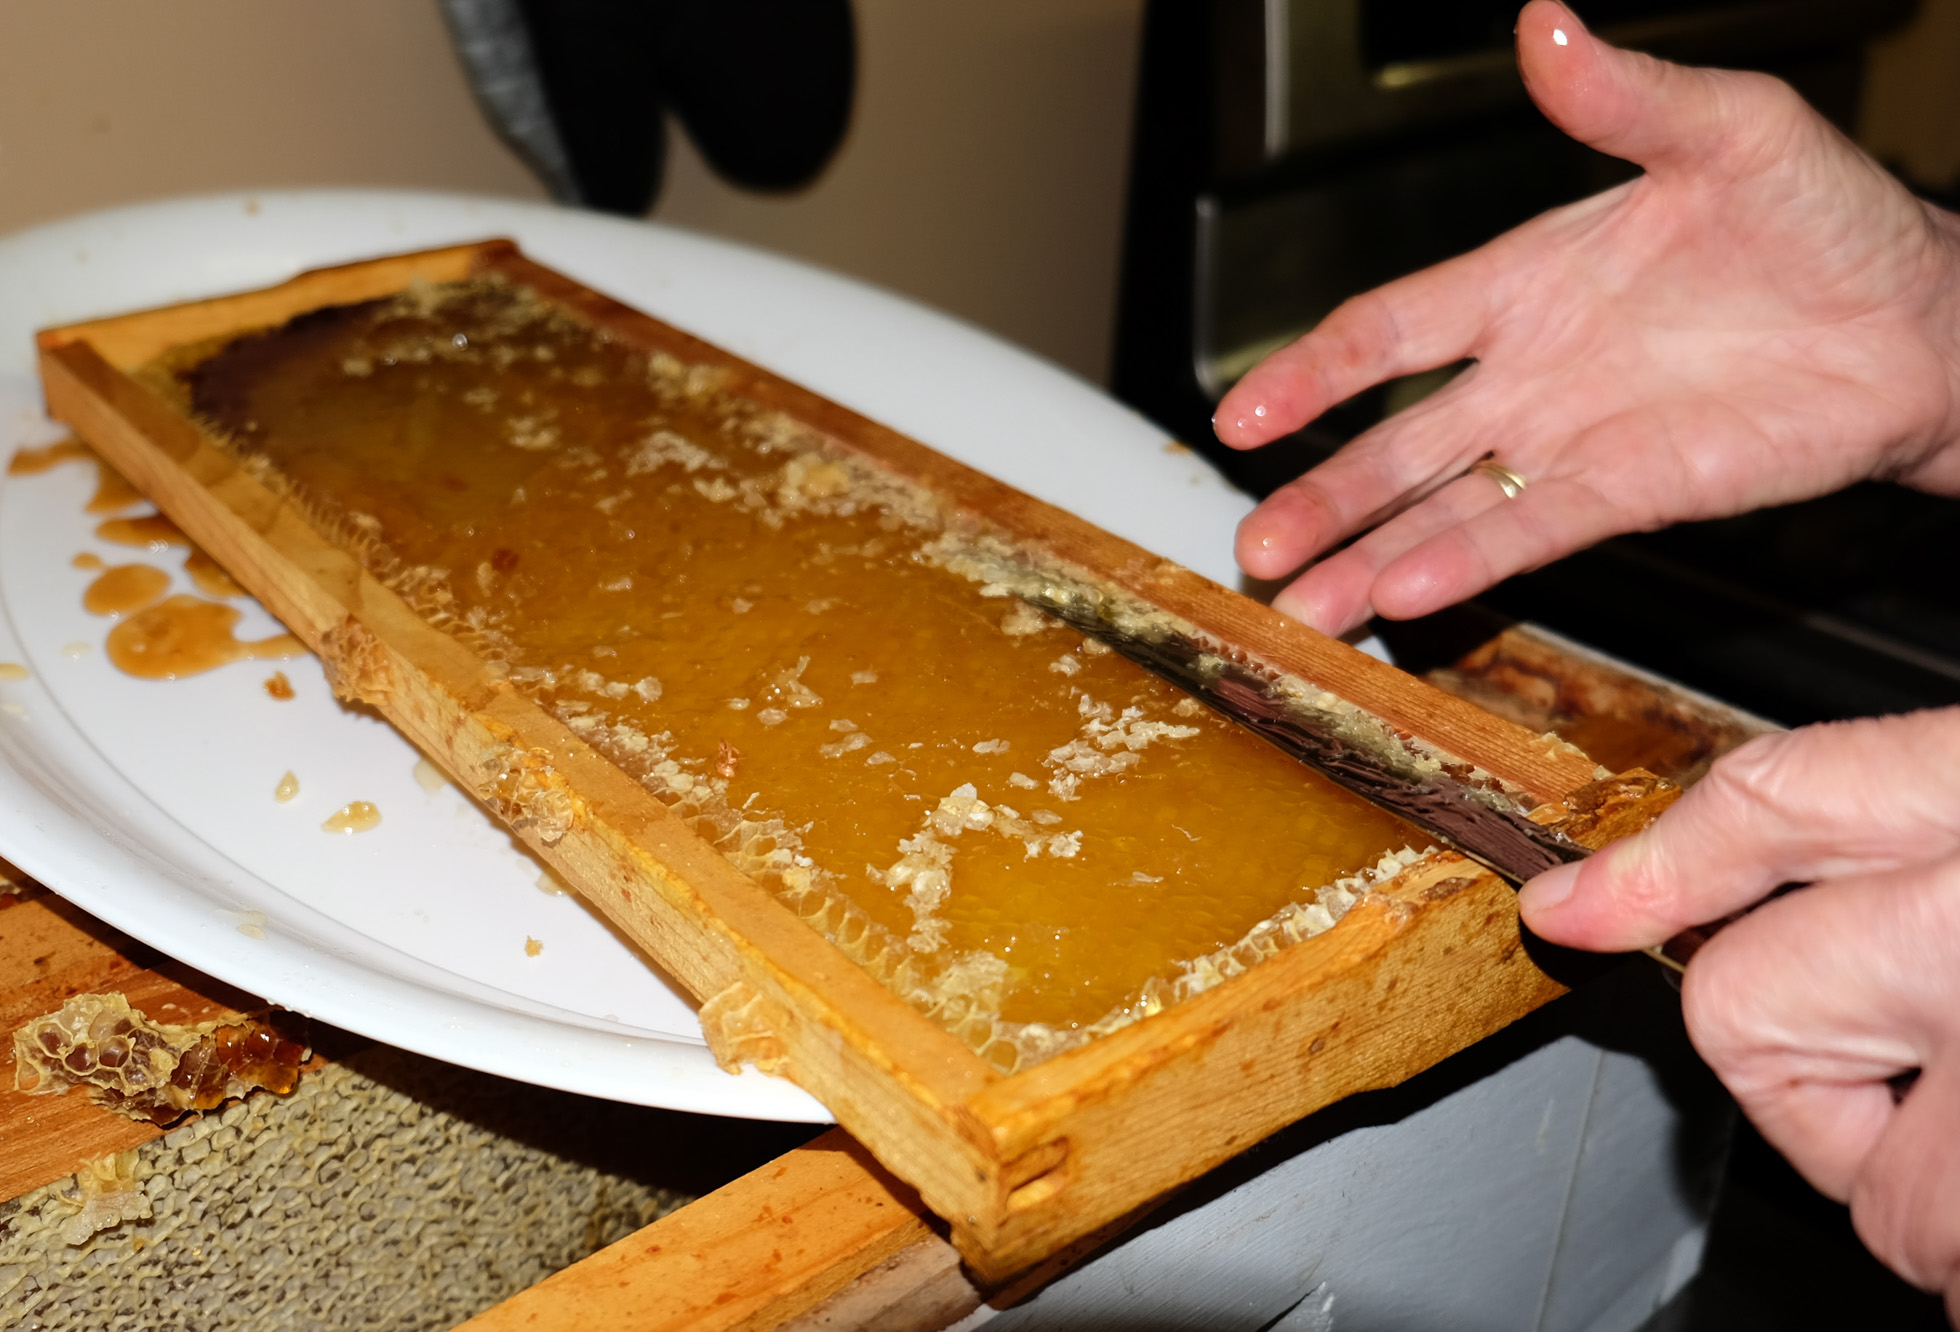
(151, 1070)
(1021, 833)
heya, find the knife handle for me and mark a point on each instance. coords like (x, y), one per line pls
(1676, 952)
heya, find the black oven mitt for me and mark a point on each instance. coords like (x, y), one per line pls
(579, 88)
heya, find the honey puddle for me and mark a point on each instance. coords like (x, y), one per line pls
(153, 532)
(356, 816)
(210, 577)
(32, 462)
(185, 635)
(1020, 833)
(125, 588)
(113, 493)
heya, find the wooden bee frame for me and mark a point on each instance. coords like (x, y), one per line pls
(1020, 1165)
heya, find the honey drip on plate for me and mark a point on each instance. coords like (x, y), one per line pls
(288, 788)
(153, 532)
(356, 816)
(185, 635)
(88, 559)
(278, 686)
(209, 576)
(13, 670)
(113, 492)
(125, 588)
(32, 462)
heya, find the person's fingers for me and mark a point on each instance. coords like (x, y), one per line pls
(1817, 803)
(1662, 116)
(1467, 537)
(1378, 474)
(1808, 1006)
(1903, 1204)
(1336, 594)
(1551, 518)
(1419, 322)
(1803, 1011)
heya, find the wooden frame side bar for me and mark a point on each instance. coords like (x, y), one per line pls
(127, 341)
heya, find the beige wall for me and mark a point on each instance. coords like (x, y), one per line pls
(108, 101)
(984, 172)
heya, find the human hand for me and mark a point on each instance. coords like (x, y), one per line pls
(1806, 1006)
(1764, 316)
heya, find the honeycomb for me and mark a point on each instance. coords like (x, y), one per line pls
(1021, 833)
(386, 1191)
(151, 1070)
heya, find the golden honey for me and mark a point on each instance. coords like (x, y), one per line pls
(125, 588)
(184, 635)
(1018, 831)
(153, 532)
(356, 816)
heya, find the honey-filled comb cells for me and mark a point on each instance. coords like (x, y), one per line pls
(1020, 833)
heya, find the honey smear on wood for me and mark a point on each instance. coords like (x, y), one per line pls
(1020, 833)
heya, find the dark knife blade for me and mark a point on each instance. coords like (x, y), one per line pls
(1454, 813)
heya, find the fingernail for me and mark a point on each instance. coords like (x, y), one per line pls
(1548, 890)
(1300, 607)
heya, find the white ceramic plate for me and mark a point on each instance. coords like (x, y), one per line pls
(150, 804)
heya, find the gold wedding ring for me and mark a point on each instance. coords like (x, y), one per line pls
(1507, 480)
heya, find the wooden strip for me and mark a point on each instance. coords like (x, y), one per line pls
(766, 1248)
(1543, 770)
(1621, 716)
(921, 1288)
(130, 340)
